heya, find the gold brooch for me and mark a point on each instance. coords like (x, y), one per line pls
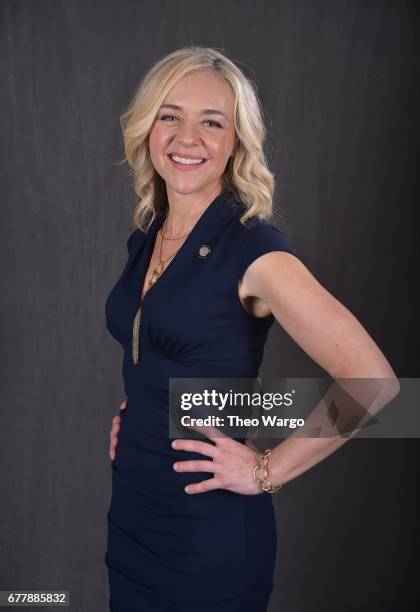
(204, 250)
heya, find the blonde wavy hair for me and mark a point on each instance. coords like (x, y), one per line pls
(246, 177)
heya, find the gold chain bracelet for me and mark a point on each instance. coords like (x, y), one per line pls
(264, 482)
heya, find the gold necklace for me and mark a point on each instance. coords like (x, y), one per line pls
(159, 268)
(156, 273)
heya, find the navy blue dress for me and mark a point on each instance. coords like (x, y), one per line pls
(167, 550)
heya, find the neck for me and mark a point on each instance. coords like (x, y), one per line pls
(183, 211)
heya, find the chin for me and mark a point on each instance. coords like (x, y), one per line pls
(185, 187)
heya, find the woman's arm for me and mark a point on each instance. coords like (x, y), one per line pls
(328, 332)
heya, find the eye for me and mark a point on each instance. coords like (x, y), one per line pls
(216, 123)
(170, 117)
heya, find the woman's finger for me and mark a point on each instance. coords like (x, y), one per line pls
(116, 422)
(205, 485)
(197, 466)
(197, 446)
(115, 428)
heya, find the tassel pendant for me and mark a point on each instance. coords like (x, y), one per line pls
(136, 323)
(136, 337)
(156, 273)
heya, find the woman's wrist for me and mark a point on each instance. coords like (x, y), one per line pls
(261, 472)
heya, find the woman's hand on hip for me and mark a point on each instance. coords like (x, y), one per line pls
(113, 434)
(232, 464)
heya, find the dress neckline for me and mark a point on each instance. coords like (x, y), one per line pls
(188, 242)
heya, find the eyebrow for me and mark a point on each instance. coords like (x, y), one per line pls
(206, 111)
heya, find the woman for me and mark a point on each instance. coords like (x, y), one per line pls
(206, 276)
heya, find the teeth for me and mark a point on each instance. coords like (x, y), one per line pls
(184, 160)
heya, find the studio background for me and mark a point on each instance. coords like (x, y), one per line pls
(338, 83)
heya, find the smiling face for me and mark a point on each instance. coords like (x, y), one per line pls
(195, 121)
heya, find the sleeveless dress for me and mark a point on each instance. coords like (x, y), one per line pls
(167, 550)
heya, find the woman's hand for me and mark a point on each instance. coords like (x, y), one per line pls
(233, 465)
(113, 434)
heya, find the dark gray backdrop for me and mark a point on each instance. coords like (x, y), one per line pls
(338, 82)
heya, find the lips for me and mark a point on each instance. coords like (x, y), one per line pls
(185, 156)
(186, 167)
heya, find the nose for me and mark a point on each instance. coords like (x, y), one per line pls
(187, 134)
